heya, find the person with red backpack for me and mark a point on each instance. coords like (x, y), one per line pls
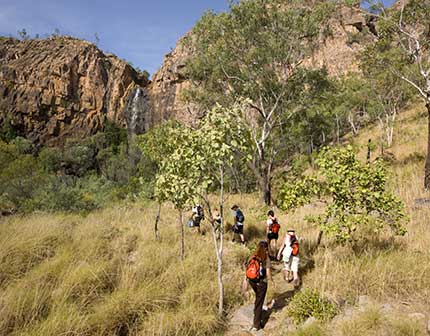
(256, 275)
(272, 229)
(290, 256)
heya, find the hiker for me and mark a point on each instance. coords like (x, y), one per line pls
(272, 229)
(217, 220)
(290, 253)
(239, 218)
(257, 273)
(196, 217)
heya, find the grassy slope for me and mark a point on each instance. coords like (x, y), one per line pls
(396, 271)
(105, 275)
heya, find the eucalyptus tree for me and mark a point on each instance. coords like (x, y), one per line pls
(256, 51)
(192, 163)
(403, 47)
(161, 145)
(221, 136)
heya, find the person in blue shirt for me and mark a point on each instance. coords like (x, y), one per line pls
(239, 218)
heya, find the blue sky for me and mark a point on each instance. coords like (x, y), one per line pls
(141, 32)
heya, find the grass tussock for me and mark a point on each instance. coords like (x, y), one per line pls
(104, 274)
(373, 322)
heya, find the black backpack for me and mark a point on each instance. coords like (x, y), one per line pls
(240, 217)
(200, 212)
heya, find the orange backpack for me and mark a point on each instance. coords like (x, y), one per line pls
(294, 243)
(275, 226)
(253, 269)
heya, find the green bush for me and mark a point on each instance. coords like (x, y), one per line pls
(22, 145)
(309, 303)
(79, 157)
(50, 159)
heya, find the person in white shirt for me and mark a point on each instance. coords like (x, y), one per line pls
(290, 256)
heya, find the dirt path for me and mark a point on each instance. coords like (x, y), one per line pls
(241, 319)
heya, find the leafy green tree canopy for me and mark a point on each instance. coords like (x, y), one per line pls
(356, 195)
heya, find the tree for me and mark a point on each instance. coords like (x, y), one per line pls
(23, 34)
(159, 145)
(256, 52)
(221, 136)
(356, 195)
(403, 48)
(192, 163)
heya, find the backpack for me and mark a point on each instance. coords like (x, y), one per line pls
(294, 243)
(240, 217)
(254, 269)
(275, 226)
(200, 212)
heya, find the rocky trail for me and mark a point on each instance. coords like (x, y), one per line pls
(241, 319)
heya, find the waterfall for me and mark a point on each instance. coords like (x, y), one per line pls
(136, 112)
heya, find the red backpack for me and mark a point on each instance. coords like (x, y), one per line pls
(253, 269)
(275, 226)
(294, 243)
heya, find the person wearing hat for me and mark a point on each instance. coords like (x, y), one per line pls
(239, 218)
(290, 256)
(259, 284)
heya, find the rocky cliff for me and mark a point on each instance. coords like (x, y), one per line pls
(60, 87)
(51, 89)
(350, 32)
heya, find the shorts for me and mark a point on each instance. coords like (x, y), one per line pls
(238, 229)
(272, 235)
(292, 264)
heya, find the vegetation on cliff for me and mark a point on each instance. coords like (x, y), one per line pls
(266, 119)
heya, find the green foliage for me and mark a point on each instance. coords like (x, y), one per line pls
(50, 159)
(356, 195)
(402, 45)
(255, 52)
(299, 193)
(78, 156)
(309, 302)
(64, 180)
(115, 135)
(7, 131)
(22, 145)
(189, 161)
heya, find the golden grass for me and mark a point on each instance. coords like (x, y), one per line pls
(390, 270)
(106, 275)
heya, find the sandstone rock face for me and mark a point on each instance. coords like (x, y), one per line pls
(60, 87)
(167, 85)
(350, 31)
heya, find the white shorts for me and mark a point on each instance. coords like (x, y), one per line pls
(292, 264)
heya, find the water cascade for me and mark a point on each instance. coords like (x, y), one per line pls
(137, 112)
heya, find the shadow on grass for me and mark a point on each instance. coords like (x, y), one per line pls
(375, 246)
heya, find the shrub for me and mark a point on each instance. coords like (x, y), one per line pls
(79, 157)
(50, 159)
(22, 145)
(309, 303)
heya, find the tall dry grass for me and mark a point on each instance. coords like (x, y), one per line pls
(390, 270)
(106, 275)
